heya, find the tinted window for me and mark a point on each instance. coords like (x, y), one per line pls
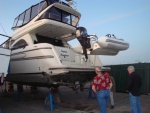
(55, 42)
(60, 15)
(66, 17)
(55, 14)
(27, 16)
(15, 22)
(20, 20)
(34, 11)
(20, 44)
(42, 6)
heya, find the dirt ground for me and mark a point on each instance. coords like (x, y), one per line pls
(71, 102)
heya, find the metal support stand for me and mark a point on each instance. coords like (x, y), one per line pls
(19, 93)
(49, 101)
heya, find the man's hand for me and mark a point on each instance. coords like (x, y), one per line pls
(94, 89)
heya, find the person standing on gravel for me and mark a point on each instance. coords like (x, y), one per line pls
(134, 86)
(101, 86)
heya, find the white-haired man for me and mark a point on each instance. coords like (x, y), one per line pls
(134, 86)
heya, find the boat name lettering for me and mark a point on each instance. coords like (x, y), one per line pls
(63, 51)
(64, 55)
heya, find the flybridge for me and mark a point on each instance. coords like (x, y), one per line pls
(33, 11)
(29, 14)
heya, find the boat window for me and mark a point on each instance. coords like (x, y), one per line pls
(15, 22)
(43, 39)
(27, 16)
(54, 13)
(20, 20)
(42, 6)
(66, 18)
(60, 15)
(74, 20)
(20, 44)
(34, 11)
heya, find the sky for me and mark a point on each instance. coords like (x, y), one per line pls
(126, 19)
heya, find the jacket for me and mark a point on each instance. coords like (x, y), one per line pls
(134, 84)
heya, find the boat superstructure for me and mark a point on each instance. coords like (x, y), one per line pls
(41, 54)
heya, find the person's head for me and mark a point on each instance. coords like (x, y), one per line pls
(131, 69)
(97, 70)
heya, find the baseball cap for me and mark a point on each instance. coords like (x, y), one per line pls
(105, 69)
(97, 68)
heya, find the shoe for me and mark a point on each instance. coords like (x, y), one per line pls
(112, 107)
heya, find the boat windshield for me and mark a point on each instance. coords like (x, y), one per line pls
(29, 14)
(61, 16)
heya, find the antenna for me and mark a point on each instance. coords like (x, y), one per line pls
(3, 29)
(71, 2)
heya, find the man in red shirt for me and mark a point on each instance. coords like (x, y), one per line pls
(101, 86)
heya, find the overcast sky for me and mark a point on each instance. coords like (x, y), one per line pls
(127, 19)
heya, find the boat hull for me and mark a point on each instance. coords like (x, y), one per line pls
(45, 80)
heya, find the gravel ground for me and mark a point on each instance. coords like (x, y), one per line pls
(71, 102)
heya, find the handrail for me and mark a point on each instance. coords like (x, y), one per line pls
(6, 40)
(94, 37)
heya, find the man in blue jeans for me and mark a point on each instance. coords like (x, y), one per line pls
(101, 86)
(134, 86)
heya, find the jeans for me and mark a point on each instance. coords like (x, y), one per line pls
(103, 98)
(135, 103)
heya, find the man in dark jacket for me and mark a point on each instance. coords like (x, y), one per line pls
(134, 86)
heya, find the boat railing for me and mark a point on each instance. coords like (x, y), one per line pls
(70, 3)
(4, 41)
(113, 37)
(93, 38)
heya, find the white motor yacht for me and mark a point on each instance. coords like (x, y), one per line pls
(41, 54)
